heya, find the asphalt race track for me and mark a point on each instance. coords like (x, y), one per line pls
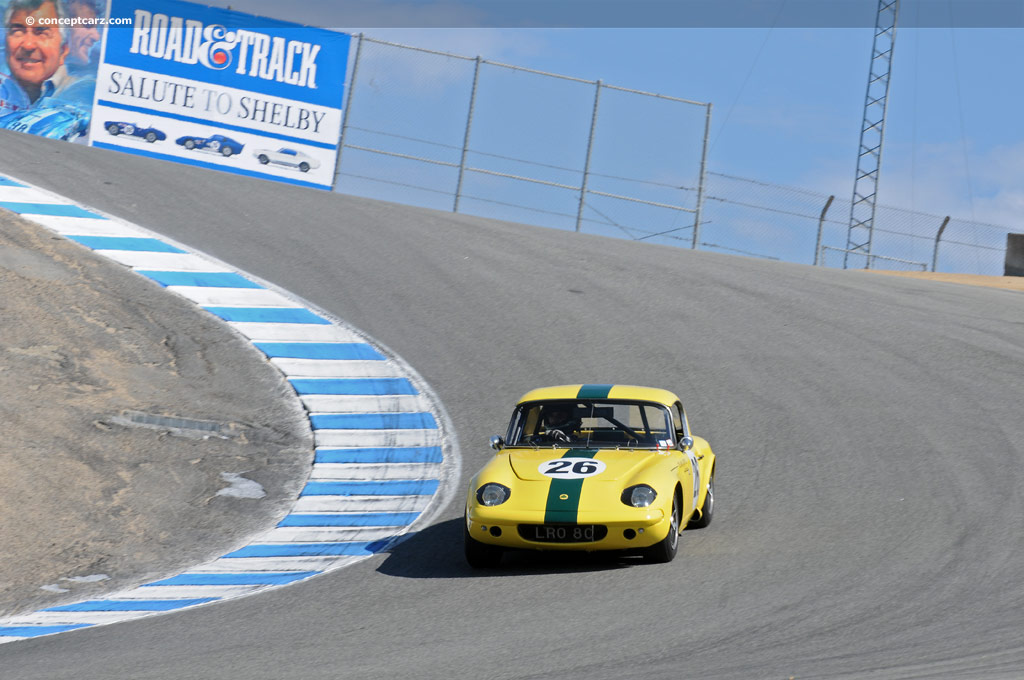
(868, 430)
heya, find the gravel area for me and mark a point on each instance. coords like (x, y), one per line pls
(129, 422)
(1005, 282)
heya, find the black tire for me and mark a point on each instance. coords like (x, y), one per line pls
(480, 555)
(114, 130)
(304, 167)
(150, 137)
(707, 510)
(665, 550)
(262, 158)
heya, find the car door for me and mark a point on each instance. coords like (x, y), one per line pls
(692, 483)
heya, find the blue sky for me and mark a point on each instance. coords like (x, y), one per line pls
(788, 101)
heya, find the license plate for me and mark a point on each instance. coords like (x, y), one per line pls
(561, 533)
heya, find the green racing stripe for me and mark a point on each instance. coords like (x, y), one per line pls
(557, 509)
(564, 511)
(594, 391)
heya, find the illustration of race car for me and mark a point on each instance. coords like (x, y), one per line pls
(287, 157)
(214, 143)
(56, 122)
(150, 134)
(591, 467)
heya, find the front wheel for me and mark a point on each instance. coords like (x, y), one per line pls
(706, 510)
(480, 555)
(665, 550)
(226, 151)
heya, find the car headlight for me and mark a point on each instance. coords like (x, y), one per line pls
(639, 496)
(491, 494)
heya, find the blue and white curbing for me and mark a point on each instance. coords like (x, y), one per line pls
(386, 457)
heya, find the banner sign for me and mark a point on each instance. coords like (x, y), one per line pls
(50, 50)
(221, 89)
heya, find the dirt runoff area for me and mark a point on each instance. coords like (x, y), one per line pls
(1004, 282)
(139, 436)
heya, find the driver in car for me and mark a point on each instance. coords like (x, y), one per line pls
(559, 424)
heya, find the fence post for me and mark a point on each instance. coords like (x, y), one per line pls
(344, 114)
(700, 184)
(465, 139)
(590, 148)
(935, 253)
(821, 226)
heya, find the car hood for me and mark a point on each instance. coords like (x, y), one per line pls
(617, 464)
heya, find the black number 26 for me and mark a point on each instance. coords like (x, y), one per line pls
(563, 467)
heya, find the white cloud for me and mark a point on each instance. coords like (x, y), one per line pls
(938, 179)
(419, 72)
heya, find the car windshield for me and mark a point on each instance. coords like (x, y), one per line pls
(587, 423)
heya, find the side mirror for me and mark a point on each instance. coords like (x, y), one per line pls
(686, 443)
(497, 443)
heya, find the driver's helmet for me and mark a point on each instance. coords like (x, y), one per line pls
(557, 414)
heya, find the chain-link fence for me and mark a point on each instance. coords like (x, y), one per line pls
(481, 137)
(787, 223)
(469, 135)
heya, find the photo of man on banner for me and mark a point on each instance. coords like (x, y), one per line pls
(49, 67)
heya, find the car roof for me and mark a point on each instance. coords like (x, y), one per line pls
(594, 391)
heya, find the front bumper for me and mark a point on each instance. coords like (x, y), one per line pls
(629, 529)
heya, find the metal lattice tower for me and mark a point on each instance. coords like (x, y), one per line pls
(872, 134)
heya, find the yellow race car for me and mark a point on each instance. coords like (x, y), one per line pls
(591, 467)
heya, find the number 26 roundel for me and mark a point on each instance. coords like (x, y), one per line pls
(571, 468)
